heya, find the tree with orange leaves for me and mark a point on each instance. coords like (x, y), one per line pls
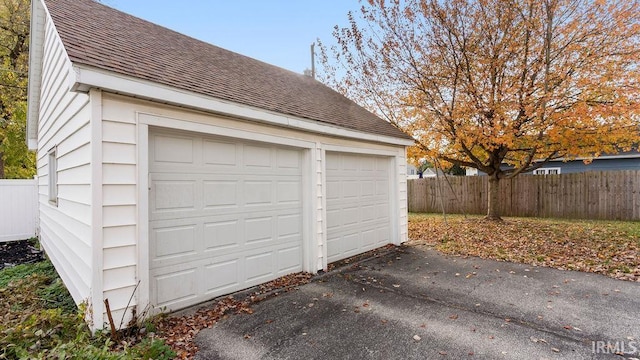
(503, 86)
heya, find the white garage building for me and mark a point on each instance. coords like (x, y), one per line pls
(176, 171)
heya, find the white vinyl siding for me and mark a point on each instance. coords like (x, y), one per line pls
(119, 207)
(402, 204)
(63, 124)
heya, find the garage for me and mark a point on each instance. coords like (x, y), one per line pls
(358, 206)
(195, 173)
(224, 215)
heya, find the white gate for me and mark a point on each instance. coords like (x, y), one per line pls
(18, 209)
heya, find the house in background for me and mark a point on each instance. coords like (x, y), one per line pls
(175, 171)
(412, 172)
(432, 172)
(629, 160)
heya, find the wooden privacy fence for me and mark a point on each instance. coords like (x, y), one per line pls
(18, 209)
(607, 195)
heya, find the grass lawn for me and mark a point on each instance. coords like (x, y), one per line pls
(605, 247)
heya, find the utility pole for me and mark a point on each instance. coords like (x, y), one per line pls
(313, 61)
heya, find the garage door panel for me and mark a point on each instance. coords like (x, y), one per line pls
(351, 242)
(358, 210)
(221, 276)
(258, 192)
(173, 150)
(174, 195)
(350, 216)
(367, 164)
(222, 235)
(257, 156)
(333, 249)
(220, 153)
(289, 225)
(227, 219)
(368, 213)
(289, 260)
(260, 266)
(288, 192)
(220, 193)
(178, 286)
(259, 230)
(175, 241)
(382, 235)
(367, 188)
(334, 219)
(288, 159)
(350, 162)
(369, 239)
(382, 188)
(333, 189)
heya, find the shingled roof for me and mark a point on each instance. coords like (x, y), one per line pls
(98, 36)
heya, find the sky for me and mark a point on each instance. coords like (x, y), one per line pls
(279, 32)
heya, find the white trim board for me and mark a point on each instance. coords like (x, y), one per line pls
(177, 124)
(84, 78)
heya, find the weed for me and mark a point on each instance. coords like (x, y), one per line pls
(152, 349)
(39, 319)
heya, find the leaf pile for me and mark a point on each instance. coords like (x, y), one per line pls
(610, 248)
(179, 332)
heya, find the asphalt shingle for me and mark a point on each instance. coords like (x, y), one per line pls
(99, 36)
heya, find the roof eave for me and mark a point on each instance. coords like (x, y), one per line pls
(36, 45)
(84, 78)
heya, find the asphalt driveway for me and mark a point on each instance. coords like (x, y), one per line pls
(415, 303)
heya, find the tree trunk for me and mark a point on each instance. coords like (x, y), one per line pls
(492, 208)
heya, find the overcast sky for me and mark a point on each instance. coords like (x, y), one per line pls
(278, 32)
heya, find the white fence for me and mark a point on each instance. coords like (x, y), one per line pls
(18, 209)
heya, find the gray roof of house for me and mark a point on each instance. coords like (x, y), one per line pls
(98, 36)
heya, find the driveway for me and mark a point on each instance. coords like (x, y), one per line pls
(415, 303)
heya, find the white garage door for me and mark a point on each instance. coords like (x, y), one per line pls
(224, 215)
(358, 212)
